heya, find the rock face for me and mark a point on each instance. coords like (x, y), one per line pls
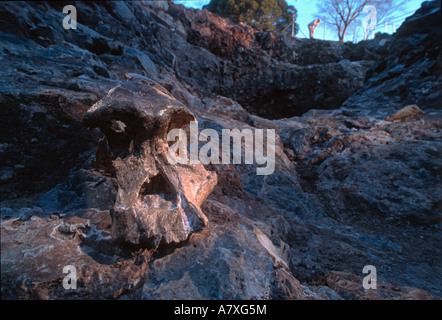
(357, 166)
(270, 74)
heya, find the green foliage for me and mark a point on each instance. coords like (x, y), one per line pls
(265, 14)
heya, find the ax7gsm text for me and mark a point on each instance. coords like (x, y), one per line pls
(222, 309)
(242, 309)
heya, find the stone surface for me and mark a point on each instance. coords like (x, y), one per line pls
(36, 251)
(356, 181)
(349, 286)
(407, 113)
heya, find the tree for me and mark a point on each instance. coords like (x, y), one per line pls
(264, 14)
(343, 13)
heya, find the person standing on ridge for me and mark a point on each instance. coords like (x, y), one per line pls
(312, 26)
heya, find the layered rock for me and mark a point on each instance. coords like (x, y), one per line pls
(355, 186)
(270, 74)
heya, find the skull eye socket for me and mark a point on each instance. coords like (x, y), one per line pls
(120, 138)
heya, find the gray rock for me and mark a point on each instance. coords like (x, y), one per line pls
(7, 174)
(84, 189)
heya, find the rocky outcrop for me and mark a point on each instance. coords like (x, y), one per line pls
(354, 185)
(35, 269)
(270, 74)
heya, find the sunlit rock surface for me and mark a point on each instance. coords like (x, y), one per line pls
(357, 168)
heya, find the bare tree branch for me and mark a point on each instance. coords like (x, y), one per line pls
(346, 12)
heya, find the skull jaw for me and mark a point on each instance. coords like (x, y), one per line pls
(156, 225)
(157, 203)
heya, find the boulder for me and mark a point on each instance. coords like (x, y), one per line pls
(406, 113)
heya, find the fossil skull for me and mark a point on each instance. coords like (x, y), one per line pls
(157, 202)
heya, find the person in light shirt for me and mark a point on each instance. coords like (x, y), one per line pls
(312, 26)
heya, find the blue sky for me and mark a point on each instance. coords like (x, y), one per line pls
(307, 12)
